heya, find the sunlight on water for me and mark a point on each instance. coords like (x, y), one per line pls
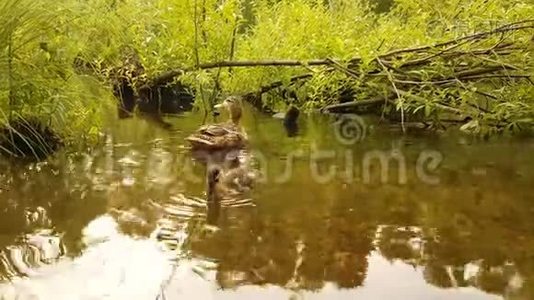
(114, 266)
(385, 280)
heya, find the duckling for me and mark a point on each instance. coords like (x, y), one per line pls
(229, 184)
(214, 137)
(226, 189)
(238, 176)
(290, 121)
(215, 190)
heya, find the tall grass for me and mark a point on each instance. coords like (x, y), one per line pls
(38, 82)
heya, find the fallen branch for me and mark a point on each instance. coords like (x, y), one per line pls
(394, 86)
(503, 29)
(168, 76)
(504, 50)
(478, 77)
(277, 84)
(341, 107)
(426, 75)
(254, 97)
(463, 78)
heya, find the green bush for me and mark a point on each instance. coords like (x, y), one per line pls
(58, 60)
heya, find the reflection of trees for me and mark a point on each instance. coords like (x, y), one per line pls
(26, 238)
(437, 275)
(42, 196)
(303, 248)
(350, 244)
(274, 251)
(458, 235)
(457, 242)
(469, 236)
(450, 259)
(74, 189)
(396, 243)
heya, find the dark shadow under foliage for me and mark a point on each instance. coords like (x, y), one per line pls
(29, 139)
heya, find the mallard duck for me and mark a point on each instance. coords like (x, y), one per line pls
(214, 137)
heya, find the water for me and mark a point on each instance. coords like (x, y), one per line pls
(128, 220)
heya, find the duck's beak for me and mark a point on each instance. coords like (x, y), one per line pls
(216, 109)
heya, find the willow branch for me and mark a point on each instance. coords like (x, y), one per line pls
(503, 29)
(354, 104)
(399, 98)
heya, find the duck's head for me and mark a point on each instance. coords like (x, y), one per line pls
(213, 178)
(233, 105)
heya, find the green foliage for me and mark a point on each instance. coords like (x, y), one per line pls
(57, 60)
(343, 30)
(38, 79)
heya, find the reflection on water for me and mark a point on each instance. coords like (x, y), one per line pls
(129, 220)
(111, 268)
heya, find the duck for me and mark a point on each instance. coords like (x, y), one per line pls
(222, 136)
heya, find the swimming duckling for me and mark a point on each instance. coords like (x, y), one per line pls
(229, 184)
(227, 188)
(215, 191)
(290, 121)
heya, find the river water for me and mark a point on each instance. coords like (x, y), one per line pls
(362, 214)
